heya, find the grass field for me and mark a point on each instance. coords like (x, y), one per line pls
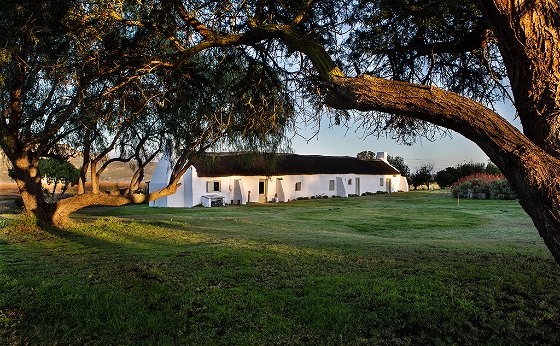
(407, 268)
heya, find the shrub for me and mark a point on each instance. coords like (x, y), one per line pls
(483, 186)
(368, 193)
(500, 189)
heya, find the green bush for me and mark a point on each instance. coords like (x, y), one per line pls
(500, 189)
(461, 190)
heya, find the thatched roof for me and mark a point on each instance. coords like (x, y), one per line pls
(242, 164)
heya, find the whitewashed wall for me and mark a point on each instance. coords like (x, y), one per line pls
(311, 185)
(192, 187)
(159, 180)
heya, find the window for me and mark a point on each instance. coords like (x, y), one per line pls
(380, 181)
(331, 185)
(349, 181)
(213, 186)
(298, 186)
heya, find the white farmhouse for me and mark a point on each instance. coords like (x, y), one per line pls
(236, 178)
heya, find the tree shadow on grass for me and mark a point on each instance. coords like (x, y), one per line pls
(75, 281)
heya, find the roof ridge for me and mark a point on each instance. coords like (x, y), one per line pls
(227, 153)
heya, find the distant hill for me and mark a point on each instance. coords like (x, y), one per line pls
(116, 172)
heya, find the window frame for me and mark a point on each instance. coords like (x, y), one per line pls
(211, 186)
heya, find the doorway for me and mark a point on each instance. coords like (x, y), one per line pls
(357, 186)
(388, 184)
(263, 187)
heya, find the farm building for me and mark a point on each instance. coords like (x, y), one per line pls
(236, 178)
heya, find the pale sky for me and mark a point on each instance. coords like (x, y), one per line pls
(442, 153)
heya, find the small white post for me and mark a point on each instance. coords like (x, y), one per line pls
(457, 200)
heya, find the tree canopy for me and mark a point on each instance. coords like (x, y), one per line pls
(398, 163)
(397, 68)
(424, 175)
(106, 78)
(366, 155)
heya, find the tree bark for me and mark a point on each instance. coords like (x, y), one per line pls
(28, 181)
(63, 208)
(528, 35)
(94, 177)
(86, 152)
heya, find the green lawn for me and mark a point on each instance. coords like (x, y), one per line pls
(407, 268)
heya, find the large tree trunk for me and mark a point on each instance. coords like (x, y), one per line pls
(29, 184)
(62, 209)
(528, 35)
(65, 207)
(537, 179)
(57, 214)
(533, 172)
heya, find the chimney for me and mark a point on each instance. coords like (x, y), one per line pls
(382, 155)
